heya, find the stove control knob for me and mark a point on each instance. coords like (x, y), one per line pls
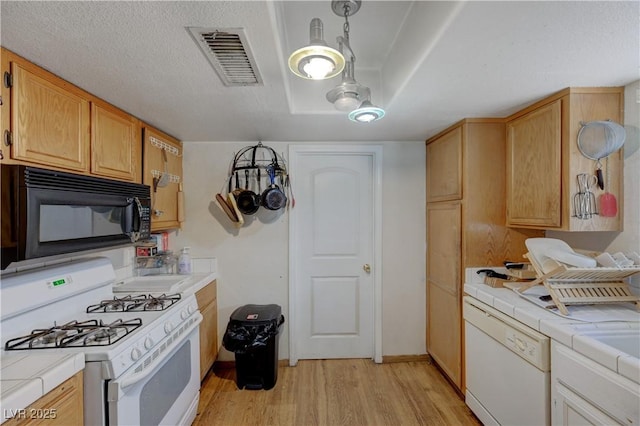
(191, 309)
(184, 314)
(135, 354)
(148, 343)
(168, 327)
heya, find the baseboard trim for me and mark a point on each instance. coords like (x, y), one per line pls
(387, 359)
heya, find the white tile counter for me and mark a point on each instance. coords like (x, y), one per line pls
(573, 330)
(205, 270)
(26, 377)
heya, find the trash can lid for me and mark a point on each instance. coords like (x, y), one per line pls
(257, 313)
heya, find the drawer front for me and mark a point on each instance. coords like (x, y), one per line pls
(206, 295)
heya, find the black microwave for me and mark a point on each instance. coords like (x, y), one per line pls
(47, 212)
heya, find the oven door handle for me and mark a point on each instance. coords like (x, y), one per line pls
(134, 378)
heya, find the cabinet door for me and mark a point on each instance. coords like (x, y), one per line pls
(444, 288)
(116, 148)
(49, 124)
(62, 406)
(534, 149)
(570, 409)
(163, 155)
(208, 327)
(444, 167)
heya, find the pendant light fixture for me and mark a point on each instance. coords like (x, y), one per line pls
(349, 95)
(316, 61)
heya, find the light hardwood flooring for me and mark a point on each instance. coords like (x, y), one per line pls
(336, 392)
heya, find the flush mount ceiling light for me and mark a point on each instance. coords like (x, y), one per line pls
(316, 61)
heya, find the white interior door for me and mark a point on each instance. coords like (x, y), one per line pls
(333, 253)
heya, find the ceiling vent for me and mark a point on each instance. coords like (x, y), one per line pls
(227, 49)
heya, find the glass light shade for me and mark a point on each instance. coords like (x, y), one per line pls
(347, 102)
(316, 62)
(366, 113)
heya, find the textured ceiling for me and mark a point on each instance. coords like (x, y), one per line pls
(429, 64)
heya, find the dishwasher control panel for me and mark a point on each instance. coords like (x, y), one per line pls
(523, 345)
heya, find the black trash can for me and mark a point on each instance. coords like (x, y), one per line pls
(252, 334)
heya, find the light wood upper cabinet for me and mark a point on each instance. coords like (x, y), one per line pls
(534, 153)
(163, 155)
(543, 160)
(50, 123)
(207, 303)
(55, 125)
(116, 146)
(444, 167)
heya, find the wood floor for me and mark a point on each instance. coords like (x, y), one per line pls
(336, 392)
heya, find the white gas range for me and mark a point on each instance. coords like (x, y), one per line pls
(141, 350)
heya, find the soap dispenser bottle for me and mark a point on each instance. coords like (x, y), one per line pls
(184, 262)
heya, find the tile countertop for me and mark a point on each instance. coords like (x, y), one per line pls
(25, 378)
(568, 330)
(205, 270)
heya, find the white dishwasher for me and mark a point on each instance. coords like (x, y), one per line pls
(507, 368)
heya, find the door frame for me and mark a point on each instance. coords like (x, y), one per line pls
(375, 152)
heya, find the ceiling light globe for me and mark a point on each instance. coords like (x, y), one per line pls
(316, 62)
(318, 67)
(366, 117)
(347, 102)
(366, 113)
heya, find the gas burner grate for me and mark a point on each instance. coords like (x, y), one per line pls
(75, 334)
(135, 303)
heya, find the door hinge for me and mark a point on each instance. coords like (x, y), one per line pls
(8, 79)
(8, 138)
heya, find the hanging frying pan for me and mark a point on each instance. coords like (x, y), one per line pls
(273, 198)
(247, 200)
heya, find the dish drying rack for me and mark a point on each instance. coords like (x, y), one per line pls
(583, 286)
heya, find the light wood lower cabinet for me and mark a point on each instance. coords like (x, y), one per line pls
(61, 406)
(443, 287)
(207, 303)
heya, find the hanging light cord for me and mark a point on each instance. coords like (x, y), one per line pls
(345, 30)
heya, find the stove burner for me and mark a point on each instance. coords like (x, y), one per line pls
(140, 302)
(75, 334)
(104, 334)
(54, 336)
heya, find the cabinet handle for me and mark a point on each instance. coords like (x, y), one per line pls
(367, 268)
(8, 79)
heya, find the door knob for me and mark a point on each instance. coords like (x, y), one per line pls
(367, 268)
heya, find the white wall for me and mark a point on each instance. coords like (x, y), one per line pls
(253, 261)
